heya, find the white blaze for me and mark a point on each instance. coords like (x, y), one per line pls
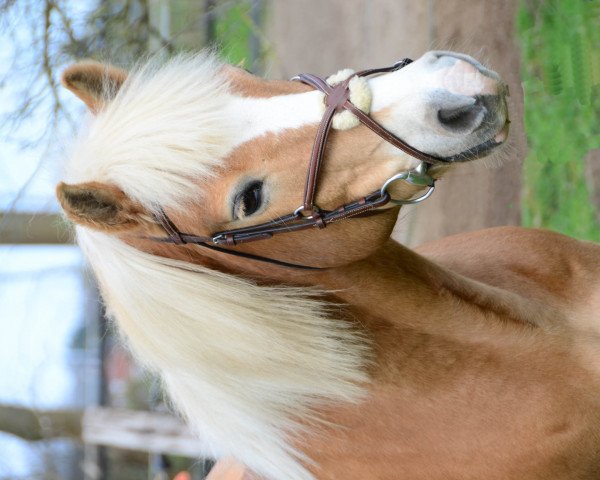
(406, 102)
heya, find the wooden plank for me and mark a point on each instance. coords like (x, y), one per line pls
(156, 432)
(34, 228)
(135, 430)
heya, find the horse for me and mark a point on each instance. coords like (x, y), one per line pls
(289, 330)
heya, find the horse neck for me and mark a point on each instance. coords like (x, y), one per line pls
(401, 288)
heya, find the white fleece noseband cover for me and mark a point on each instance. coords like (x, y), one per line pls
(360, 96)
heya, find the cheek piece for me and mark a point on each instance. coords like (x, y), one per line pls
(340, 112)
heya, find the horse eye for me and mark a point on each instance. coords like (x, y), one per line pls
(249, 200)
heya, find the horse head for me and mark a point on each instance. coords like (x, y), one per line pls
(210, 148)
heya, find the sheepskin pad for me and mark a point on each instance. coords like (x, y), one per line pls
(360, 96)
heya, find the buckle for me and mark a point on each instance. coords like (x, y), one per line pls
(218, 239)
(314, 213)
(417, 176)
(401, 63)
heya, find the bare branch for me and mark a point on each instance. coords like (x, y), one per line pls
(68, 26)
(49, 7)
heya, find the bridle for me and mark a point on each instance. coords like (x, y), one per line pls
(308, 215)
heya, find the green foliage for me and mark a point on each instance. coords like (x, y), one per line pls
(232, 25)
(233, 30)
(560, 42)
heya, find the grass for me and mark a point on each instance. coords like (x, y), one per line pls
(560, 41)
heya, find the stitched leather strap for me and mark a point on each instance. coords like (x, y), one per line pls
(286, 224)
(336, 98)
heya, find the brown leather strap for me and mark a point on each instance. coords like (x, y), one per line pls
(285, 224)
(289, 223)
(391, 138)
(336, 97)
(175, 236)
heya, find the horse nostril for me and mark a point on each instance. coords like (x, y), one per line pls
(462, 119)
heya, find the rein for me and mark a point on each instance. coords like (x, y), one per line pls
(309, 215)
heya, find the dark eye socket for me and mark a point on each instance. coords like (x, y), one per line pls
(249, 200)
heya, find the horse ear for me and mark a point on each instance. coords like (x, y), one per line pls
(100, 206)
(93, 82)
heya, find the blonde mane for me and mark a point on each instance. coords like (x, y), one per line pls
(164, 131)
(245, 364)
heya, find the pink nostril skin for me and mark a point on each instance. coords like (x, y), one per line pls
(463, 78)
(466, 79)
(463, 75)
(469, 100)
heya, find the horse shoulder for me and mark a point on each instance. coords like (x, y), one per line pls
(537, 264)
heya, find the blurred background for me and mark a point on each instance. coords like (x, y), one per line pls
(72, 403)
